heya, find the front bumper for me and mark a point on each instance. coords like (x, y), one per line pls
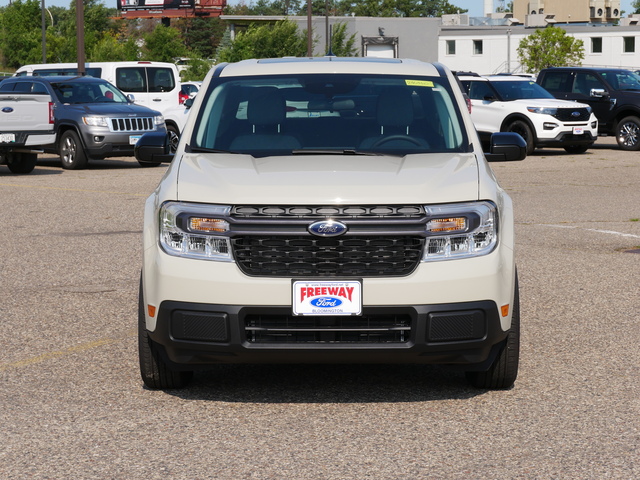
(101, 143)
(193, 335)
(565, 139)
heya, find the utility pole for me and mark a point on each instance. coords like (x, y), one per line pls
(309, 42)
(80, 36)
(44, 36)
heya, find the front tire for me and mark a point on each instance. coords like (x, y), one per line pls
(174, 137)
(155, 372)
(21, 163)
(504, 370)
(72, 154)
(628, 133)
(524, 130)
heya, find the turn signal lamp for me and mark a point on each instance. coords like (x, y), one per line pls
(151, 310)
(454, 224)
(504, 310)
(203, 224)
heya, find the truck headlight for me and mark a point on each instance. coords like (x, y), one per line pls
(460, 230)
(159, 120)
(95, 121)
(543, 110)
(194, 230)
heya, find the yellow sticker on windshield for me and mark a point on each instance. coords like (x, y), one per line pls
(419, 83)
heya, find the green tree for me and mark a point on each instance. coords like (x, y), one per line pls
(281, 39)
(202, 35)
(635, 5)
(550, 47)
(163, 45)
(21, 39)
(197, 69)
(397, 8)
(342, 46)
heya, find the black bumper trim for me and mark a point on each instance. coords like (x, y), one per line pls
(189, 354)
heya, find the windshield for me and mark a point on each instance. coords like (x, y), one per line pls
(518, 89)
(329, 113)
(622, 79)
(88, 92)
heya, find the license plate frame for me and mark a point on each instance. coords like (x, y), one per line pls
(578, 130)
(326, 297)
(7, 137)
(133, 139)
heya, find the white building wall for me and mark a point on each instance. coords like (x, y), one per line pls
(494, 57)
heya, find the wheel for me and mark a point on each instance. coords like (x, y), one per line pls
(503, 371)
(71, 152)
(524, 130)
(174, 137)
(577, 149)
(21, 162)
(155, 372)
(393, 138)
(628, 133)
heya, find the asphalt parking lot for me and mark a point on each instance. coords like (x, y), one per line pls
(72, 405)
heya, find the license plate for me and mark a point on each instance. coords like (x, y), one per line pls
(133, 139)
(578, 130)
(327, 298)
(7, 137)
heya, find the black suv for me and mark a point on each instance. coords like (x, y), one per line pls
(612, 93)
(93, 119)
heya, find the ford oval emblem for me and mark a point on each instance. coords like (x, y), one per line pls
(327, 228)
(7, 110)
(575, 114)
(326, 302)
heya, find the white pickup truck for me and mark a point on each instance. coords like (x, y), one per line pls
(26, 123)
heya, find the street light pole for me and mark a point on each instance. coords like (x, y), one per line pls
(309, 42)
(80, 36)
(44, 36)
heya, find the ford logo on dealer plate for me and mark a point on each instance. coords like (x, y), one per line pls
(327, 228)
(326, 302)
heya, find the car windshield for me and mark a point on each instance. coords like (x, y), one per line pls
(329, 113)
(622, 79)
(88, 92)
(519, 89)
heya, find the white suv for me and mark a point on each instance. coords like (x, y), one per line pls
(509, 103)
(329, 210)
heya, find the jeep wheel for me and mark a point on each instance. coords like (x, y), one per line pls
(522, 128)
(628, 133)
(21, 162)
(71, 152)
(174, 137)
(503, 371)
(155, 372)
(577, 149)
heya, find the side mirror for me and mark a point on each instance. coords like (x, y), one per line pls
(506, 147)
(153, 147)
(188, 102)
(131, 98)
(599, 93)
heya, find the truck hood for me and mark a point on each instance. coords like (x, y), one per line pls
(549, 103)
(327, 179)
(121, 109)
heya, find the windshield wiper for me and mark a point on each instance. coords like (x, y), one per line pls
(208, 150)
(320, 151)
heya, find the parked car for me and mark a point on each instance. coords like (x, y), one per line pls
(329, 210)
(612, 93)
(511, 103)
(189, 90)
(92, 118)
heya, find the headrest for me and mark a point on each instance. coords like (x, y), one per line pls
(266, 107)
(395, 108)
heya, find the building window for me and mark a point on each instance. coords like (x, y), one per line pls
(477, 47)
(596, 45)
(451, 47)
(629, 44)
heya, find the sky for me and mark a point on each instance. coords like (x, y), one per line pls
(475, 7)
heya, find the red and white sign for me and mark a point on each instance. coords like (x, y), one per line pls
(327, 298)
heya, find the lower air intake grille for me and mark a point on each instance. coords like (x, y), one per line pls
(361, 329)
(456, 326)
(202, 326)
(327, 257)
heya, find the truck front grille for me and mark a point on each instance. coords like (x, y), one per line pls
(567, 114)
(132, 124)
(262, 329)
(366, 256)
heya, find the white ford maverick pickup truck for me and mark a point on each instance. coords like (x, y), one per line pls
(329, 210)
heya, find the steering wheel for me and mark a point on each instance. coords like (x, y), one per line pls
(392, 138)
(102, 98)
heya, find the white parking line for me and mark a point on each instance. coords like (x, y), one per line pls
(608, 232)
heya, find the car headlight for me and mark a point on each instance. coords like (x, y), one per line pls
(543, 110)
(460, 230)
(195, 231)
(159, 120)
(95, 121)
